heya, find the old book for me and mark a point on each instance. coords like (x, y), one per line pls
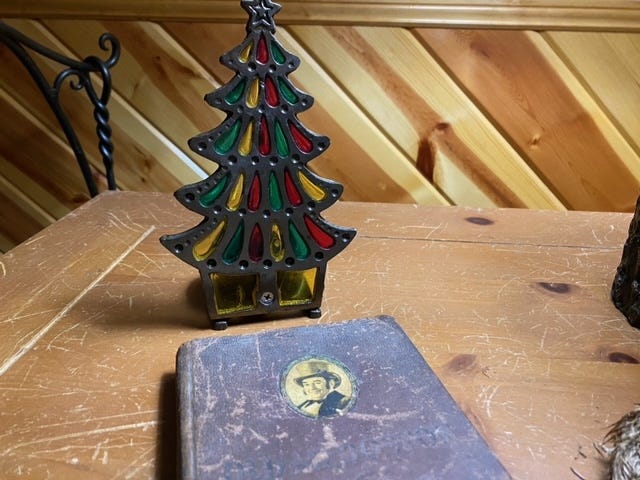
(347, 400)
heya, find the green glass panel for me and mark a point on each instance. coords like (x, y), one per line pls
(227, 140)
(275, 195)
(278, 54)
(300, 247)
(234, 249)
(281, 141)
(209, 198)
(236, 94)
(287, 91)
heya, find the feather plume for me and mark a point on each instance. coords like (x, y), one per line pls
(621, 447)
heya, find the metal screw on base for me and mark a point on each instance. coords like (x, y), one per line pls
(267, 298)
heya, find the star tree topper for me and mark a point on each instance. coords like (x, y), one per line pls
(261, 14)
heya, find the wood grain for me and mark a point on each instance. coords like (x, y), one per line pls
(25, 320)
(529, 344)
(526, 14)
(33, 192)
(22, 216)
(59, 174)
(545, 112)
(417, 105)
(608, 65)
(470, 117)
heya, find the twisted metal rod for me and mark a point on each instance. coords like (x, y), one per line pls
(21, 44)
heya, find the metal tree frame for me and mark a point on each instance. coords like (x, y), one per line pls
(80, 78)
(262, 246)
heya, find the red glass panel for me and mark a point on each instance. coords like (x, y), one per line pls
(271, 93)
(321, 237)
(256, 244)
(304, 144)
(265, 138)
(255, 193)
(292, 191)
(262, 54)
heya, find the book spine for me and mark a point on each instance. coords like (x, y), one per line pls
(187, 460)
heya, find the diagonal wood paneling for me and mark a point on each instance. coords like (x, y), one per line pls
(545, 112)
(608, 65)
(480, 117)
(19, 213)
(29, 148)
(523, 14)
(415, 103)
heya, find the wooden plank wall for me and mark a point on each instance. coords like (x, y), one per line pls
(533, 105)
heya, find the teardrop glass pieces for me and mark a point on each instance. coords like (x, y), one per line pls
(262, 55)
(255, 193)
(292, 191)
(256, 244)
(265, 138)
(303, 143)
(321, 237)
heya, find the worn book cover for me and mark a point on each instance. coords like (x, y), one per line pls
(349, 400)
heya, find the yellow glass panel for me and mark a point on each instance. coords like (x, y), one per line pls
(297, 287)
(246, 53)
(246, 144)
(234, 293)
(254, 94)
(235, 198)
(311, 188)
(276, 245)
(205, 247)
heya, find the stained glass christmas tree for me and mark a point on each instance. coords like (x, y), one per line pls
(263, 245)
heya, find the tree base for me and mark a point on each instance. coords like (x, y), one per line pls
(223, 324)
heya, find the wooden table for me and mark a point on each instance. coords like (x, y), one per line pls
(510, 307)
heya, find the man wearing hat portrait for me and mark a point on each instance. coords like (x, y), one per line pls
(319, 385)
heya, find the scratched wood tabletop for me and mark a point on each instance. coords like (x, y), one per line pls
(510, 307)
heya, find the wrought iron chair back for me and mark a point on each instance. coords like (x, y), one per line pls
(80, 77)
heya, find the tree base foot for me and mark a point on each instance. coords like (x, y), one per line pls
(220, 325)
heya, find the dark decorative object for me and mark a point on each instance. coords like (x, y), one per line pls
(381, 412)
(262, 246)
(80, 78)
(625, 291)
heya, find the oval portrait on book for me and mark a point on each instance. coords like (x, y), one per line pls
(318, 387)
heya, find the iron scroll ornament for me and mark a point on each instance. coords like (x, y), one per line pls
(81, 72)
